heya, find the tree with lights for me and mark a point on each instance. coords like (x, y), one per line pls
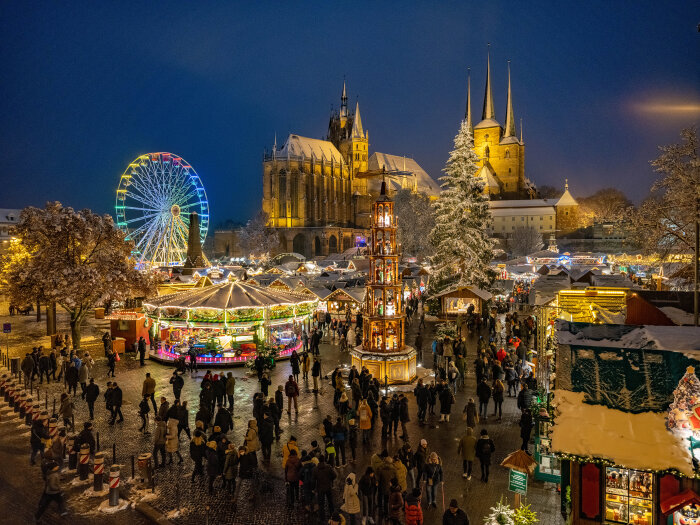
(257, 238)
(463, 249)
(684, 413)
(76, 259)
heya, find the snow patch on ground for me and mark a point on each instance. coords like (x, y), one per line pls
(90, 493)
(635, 440)
(76, 482)
(141, 495)
(106, 509)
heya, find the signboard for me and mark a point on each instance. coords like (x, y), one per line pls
(6, 328)
(517, 482)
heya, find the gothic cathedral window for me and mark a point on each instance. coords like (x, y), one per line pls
(507, 154)
(486, 152)
(282, 194)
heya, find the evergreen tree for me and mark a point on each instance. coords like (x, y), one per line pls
(463, 249)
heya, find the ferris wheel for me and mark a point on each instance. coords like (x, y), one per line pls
(156, 194)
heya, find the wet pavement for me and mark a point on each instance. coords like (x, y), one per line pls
(20, 484)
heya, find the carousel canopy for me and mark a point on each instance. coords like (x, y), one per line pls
(226, 296)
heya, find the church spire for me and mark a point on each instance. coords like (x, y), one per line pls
(343, 106)
(509, 130)
(521, 130)
(468, 110)
(489, 112)
(357, 131)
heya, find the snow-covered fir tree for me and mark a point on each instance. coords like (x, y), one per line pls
(463, 249)
(682, 417)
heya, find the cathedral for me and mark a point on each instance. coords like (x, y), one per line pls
(318, 193)
(501, 152)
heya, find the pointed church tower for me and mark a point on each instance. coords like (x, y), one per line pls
(509, 130)
(489, 113)
(357, 131)
(468, 110)
(343, 107)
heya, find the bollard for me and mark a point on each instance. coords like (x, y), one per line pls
(98, 470)
(9, 389)
(53, 428)
(28, 412)
(18, 392)
(113, 485)
(3, 384)
(21, 404)
(11, 395)
(84, 461)
(36, 414)
(72, 453)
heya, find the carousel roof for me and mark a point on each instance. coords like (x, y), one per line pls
(226, 296)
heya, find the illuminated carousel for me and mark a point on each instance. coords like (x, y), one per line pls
(225, 324)
(383, 351)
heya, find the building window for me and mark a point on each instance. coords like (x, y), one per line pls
(295, 195)
(282, 195)
(486, 151)
(508, 155)
(509, 170)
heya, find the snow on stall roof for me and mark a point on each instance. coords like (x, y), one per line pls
(400, 165)
(677, 338)
(639, 441)
(678, 316)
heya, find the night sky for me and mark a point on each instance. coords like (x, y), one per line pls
(86, 89)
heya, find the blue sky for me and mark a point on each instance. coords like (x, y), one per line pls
(87, 87)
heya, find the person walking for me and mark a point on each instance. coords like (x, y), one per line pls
(484, 449)
(292, 471)
(231, 468)
(38, 438)
(413, 511)
(72, 378)
(291, 389)
(223, 419)
(177, 382)
(469, 413)
(212, 464)
(467, 450)
(197, 453)
(92, 392)
(65, 411)
(116, 399)
(183, 420)
(483, 392)
(230, 390)
(368, 491)
(403, 416)
(432, 474)
(324, 475)
(111, 362)
(295, 363)
(52, 492)
(498, 393)
(447, 398)
(454, 515)
(364, 413)
(305, 365)
(396, 503)
(149, 390)
(526, 425)
(316, 373)
(351, 500)
(159, 438)
(172, 442)
(144, 409)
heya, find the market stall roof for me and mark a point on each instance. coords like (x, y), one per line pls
(481, 294)
(640, 441)
(678, 501)
(224, 296)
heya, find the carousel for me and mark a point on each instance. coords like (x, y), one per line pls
(224, 324)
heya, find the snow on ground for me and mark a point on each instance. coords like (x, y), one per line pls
(639, 441)
(106, 509)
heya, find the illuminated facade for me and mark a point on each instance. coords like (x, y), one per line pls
(383, 351)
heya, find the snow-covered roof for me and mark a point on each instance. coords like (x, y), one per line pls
(518, 212)
(406, 166)
(648, 337)
(307, 147)
(510, 140)
(678, 316)
(566, 199)
(487, 123)
(521, 203)
(489, 176)
(639, 441)
(9, 215)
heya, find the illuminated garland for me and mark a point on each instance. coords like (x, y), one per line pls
(608, 463)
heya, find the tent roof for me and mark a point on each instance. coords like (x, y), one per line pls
(237, 294)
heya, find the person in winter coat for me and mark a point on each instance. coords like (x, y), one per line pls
(144, 409)
(266, 436)
(339, 435)
(230, 390)
(396, 503)
(291, 389)
(420, 459)
(65, 411)
(252, 443)
(116, 399)
(295, 363)
(413, 511)
(403, 416)
(223, 419)
(82, 378)
(292, 471)
(352, 437)
(92, 392)
(38, 437)
(498, 393)
(351, 501)
(86, 438)
(454, 515)
(470, 415)
(183, 420)
(524, 397)
(172, 443)
(163, 409)
(159, 438)
(324, 475)
(484, 449)
(316, 373)
(483, 392)
(365, 415)
(72, 378)
(178, 383)
(385, 473)
(231, 468)
(27, 366)
(212, 464)
(421, 393)
(432, 475)
(526, 425)
(467, 450)
(149, 389)
(401, 473)
(197, 453)
(52, 492)
(368, 492)
(447, 398)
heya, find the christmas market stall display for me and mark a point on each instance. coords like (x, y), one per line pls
(383, 351)
(128, 326)
(225, 323)
(626, 422)
(345, 301)
(455, 301)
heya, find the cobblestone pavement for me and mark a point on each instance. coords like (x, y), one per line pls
(20, 485)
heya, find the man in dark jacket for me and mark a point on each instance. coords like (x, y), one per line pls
(316, 373)
(524, 397)
(324, 475)
(526, 425)
(116, 399)
(142, 351)
(92, 391)
(86, 437)
(206, 396)
(266, 435)
(421, 393)
(403, 415)
(483, 391)
(223, 419)
(454, 515)
(177, 382)
(484, 449)
(37, 438)
(197, 451)
(44, 367)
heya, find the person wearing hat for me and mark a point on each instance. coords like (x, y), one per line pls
(413, 511)
(52, 492)
(86, 438)
(454, 515)
(484, 449)
(420, 458)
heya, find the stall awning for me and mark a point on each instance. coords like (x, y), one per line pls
(679, 501)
